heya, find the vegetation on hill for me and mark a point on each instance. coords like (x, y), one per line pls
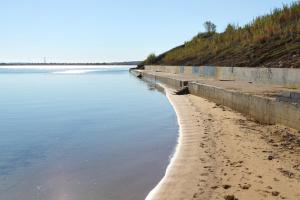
(272, 40)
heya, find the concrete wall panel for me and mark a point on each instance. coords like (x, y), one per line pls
(261, 109)
(288, 77)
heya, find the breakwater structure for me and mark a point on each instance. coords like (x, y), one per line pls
(265, 95)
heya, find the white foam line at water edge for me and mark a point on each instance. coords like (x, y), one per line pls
(75, 71)
(152, 193)
(66, 67)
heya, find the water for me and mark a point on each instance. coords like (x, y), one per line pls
(81, 133)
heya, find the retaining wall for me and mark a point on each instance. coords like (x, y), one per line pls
(261, 109)
(289, 77)
(171, 82)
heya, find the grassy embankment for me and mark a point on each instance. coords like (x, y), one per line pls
(272, 40)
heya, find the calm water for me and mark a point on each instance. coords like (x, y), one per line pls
(81, 134)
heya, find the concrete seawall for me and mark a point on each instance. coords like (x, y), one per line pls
(260, 108)
(288, 77)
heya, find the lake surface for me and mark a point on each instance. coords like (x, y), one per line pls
(81, 133)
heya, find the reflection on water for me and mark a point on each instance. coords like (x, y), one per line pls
(81, 134)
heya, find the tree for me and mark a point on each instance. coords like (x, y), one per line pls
(231, 28)
(210, 27)
(150, 59)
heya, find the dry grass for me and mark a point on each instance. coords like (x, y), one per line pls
(271, 41)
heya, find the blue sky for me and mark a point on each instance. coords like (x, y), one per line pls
(107, 30)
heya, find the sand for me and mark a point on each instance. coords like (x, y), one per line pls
(222, 155)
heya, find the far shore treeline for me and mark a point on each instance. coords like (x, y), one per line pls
(272, 40)
(55, 63)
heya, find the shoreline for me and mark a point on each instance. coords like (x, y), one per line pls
(165, 186)
(214, 159)
(155, 190)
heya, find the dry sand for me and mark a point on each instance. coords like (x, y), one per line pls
(222, 155)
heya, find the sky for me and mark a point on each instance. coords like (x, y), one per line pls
(112, 30)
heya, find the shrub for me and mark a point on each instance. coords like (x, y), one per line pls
(150, 59)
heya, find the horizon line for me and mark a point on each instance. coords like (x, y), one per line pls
(70, 63)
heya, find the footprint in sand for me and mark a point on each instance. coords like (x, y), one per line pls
(226, 186)
(245, 186)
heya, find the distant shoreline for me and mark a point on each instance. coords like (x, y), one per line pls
(113, 63)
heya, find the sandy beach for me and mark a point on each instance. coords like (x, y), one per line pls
(223, 155)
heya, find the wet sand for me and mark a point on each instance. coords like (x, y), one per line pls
(222, 155)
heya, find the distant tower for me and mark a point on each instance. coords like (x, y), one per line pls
(45, 61)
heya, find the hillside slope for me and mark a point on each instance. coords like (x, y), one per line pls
(269, 41)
